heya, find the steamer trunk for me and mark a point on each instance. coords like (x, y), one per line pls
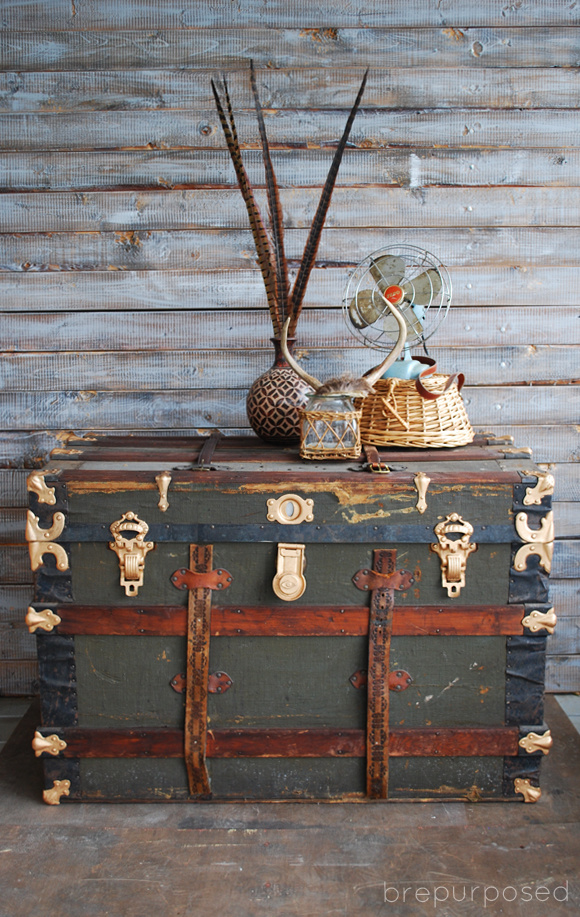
(292, 637)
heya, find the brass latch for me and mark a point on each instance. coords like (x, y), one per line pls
(453, 553)
(289, 583)
(131, 551)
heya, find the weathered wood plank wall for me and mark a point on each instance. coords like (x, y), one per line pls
(131, 298)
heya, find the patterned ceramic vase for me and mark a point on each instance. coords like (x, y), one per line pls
(274, 399)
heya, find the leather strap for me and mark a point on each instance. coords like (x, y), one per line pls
(430, 369)
(374, 460)
(207, 450)
(198, 632)
(210, 579)
(380, 628)
(370, 579)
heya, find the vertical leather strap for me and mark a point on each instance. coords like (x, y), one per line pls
(380, 628)
(198, 632)
(207, 450)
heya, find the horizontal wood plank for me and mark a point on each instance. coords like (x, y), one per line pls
(85, 410)
(289, 743)
(373, 128)
(515, 248)
(142, 169)
(116, 331)
(563, 674)
(231, 47)
(408, 620)
(224, 209)
(18, 677)
(167, 369)
(150, 14)
(147, 90)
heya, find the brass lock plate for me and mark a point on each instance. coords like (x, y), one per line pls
(289, 583)
(130, 551)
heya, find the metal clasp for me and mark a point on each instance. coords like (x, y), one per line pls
(289, 583)
(453, 553)
(131, 551)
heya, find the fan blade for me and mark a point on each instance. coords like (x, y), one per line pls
(414, 326)
(387, 271)
(366, 308)
(423, 288)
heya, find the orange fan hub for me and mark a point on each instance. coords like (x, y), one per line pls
(395, 294)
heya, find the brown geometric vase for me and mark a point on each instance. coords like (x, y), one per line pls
(274, 398)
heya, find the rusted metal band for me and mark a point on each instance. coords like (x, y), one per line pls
(198, 634)
(380, 627)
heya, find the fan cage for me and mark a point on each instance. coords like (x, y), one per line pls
(418, 261)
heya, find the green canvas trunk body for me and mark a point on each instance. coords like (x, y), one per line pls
(375, 683)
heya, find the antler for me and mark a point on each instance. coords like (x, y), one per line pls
(375, 374)
(292, 362)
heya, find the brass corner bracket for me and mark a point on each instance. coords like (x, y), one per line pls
(52, 745)
(58, 789)
(539, 620)
(537, 541)
(544, 487)
(533, 742)
(529, 792)
(36, 484)
(41, 541)
(453, 553)
(45, 619)
(130, 551)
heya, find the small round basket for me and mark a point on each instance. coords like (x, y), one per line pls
(398, 414)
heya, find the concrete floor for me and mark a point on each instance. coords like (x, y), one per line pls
(174, 860)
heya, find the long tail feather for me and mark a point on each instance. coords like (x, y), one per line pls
(274, 206)
(313, 239)
(259, 233)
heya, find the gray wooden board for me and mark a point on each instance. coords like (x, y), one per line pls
(563, 673)
(48, 286)
(226, 407)
(91, 170)
(469, 128)
(48, 332)
(167, 370)
(149, 14)
(296, 89)
(62, 211)
(476, 247)
(95, 574)
(18, 677)
(230, 48)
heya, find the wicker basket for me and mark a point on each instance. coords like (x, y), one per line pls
(404, 412)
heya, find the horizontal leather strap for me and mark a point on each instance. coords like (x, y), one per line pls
(213, 579)
(368, 580)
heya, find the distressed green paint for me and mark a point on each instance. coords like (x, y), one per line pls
(197, 503)
(288, 682)
(457, 681)
(329, 571)
(125, 681)
(292, 778)
(440, 778)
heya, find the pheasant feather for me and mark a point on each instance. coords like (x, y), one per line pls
(274, 207)
(261, 241)
(313, 240)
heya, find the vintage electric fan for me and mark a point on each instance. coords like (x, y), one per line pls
(414, 281)
(402, 291)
